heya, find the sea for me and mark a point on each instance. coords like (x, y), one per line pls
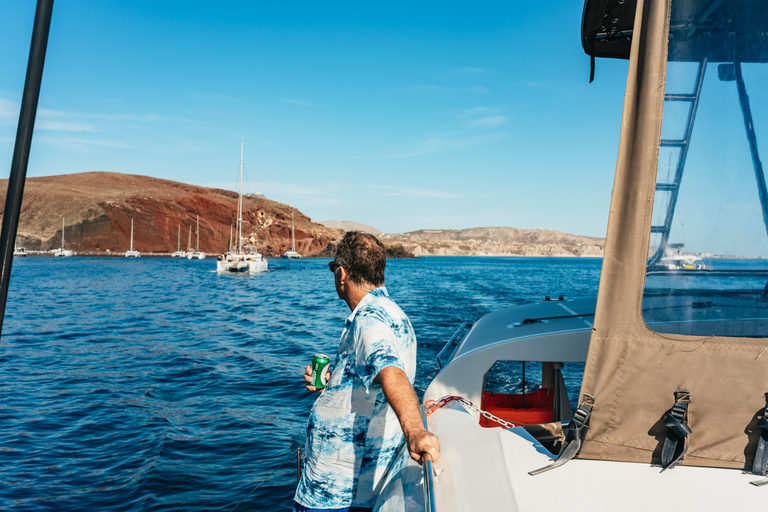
(158, 384)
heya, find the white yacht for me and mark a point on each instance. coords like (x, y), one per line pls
(292, 254)
(237, 259)
(671, 413)
(20, 251)
(196, 254)
(179, 253)
(62, 252)
(131, 253)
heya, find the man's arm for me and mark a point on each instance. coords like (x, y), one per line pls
(402, 397)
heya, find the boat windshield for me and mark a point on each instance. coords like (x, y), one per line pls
(708, 256)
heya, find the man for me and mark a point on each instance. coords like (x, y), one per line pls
(356, 426)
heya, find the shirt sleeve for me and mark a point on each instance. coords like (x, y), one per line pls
(375, 345)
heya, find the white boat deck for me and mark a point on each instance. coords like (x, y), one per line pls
(487, 469)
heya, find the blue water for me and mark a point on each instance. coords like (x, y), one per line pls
(156, 384)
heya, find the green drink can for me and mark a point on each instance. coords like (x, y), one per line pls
(320, 370)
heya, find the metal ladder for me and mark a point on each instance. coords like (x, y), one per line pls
(673, 186)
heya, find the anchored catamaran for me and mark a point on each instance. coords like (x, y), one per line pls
(196, 254)
(236, 259)
(62, 252)
(292, 254)
(179, 253)
(131, 253)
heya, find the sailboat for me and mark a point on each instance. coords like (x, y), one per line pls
(292, 254)
(131, 253)
(236, 259)
(196, 254)
(179, 253)
(59, 253)
(671, 413)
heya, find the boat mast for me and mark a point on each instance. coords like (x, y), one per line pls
(178, 240)
(62, 233)
(131, 235)
(240, 206)
(230, 238)
(198, 234)
(189, 240)
(293, 238)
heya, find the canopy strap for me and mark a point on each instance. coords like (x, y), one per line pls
(676, 443)
(760, 465)
(575, 433)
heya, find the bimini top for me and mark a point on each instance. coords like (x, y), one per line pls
(724, 31)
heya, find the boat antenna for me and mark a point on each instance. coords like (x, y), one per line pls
(24, 132)
(240, 206)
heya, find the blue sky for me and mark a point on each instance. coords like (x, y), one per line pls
(397, 115)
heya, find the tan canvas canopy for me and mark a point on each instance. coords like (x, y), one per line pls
(632, 371)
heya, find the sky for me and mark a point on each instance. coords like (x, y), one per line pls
(397, 115)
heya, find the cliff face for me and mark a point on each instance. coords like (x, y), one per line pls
(496, 242)
(98, 207)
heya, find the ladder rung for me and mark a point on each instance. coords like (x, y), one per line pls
(673, 143)
(679, 97)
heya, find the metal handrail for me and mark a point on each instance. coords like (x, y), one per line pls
(453, 340)
(429, 490)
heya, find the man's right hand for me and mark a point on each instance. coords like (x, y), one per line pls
(308, 378)
(423, 445)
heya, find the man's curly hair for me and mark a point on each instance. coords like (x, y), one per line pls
(364, 258)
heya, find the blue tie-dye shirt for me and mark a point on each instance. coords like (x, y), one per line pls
(353, 434)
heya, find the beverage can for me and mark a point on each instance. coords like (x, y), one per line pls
(319, 375)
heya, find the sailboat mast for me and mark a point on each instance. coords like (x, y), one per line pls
(62, 233)
(293, 237)
(230, 238)
(178, 240)
(189, 239)
(198, 234)
(131, 234)
(240, 206)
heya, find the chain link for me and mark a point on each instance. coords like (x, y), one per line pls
(431, 406)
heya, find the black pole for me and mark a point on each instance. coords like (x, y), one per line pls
(23, 142)
(762, 190)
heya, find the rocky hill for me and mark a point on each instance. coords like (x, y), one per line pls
(347, 225)
(98, 207)
(496, 242)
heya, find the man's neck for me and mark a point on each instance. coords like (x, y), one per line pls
(356, 294)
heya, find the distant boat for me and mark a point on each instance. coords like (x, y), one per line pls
(235, 260)
(292, 254)
(131, 253)
(19, 251)
(62, 252)
(179, 253)
(196, 254)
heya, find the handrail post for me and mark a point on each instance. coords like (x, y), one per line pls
(429, 491)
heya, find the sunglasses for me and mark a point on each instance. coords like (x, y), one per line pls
(333, 266)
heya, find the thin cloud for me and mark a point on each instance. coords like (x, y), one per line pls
(456, 141)
(272, 188)
(490, 121)
(9, 112)
(80, 144)
(416, 193)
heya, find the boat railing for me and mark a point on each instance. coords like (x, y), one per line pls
(429, 491)
(455, 340)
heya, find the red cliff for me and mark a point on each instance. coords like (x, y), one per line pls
(98, 207)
